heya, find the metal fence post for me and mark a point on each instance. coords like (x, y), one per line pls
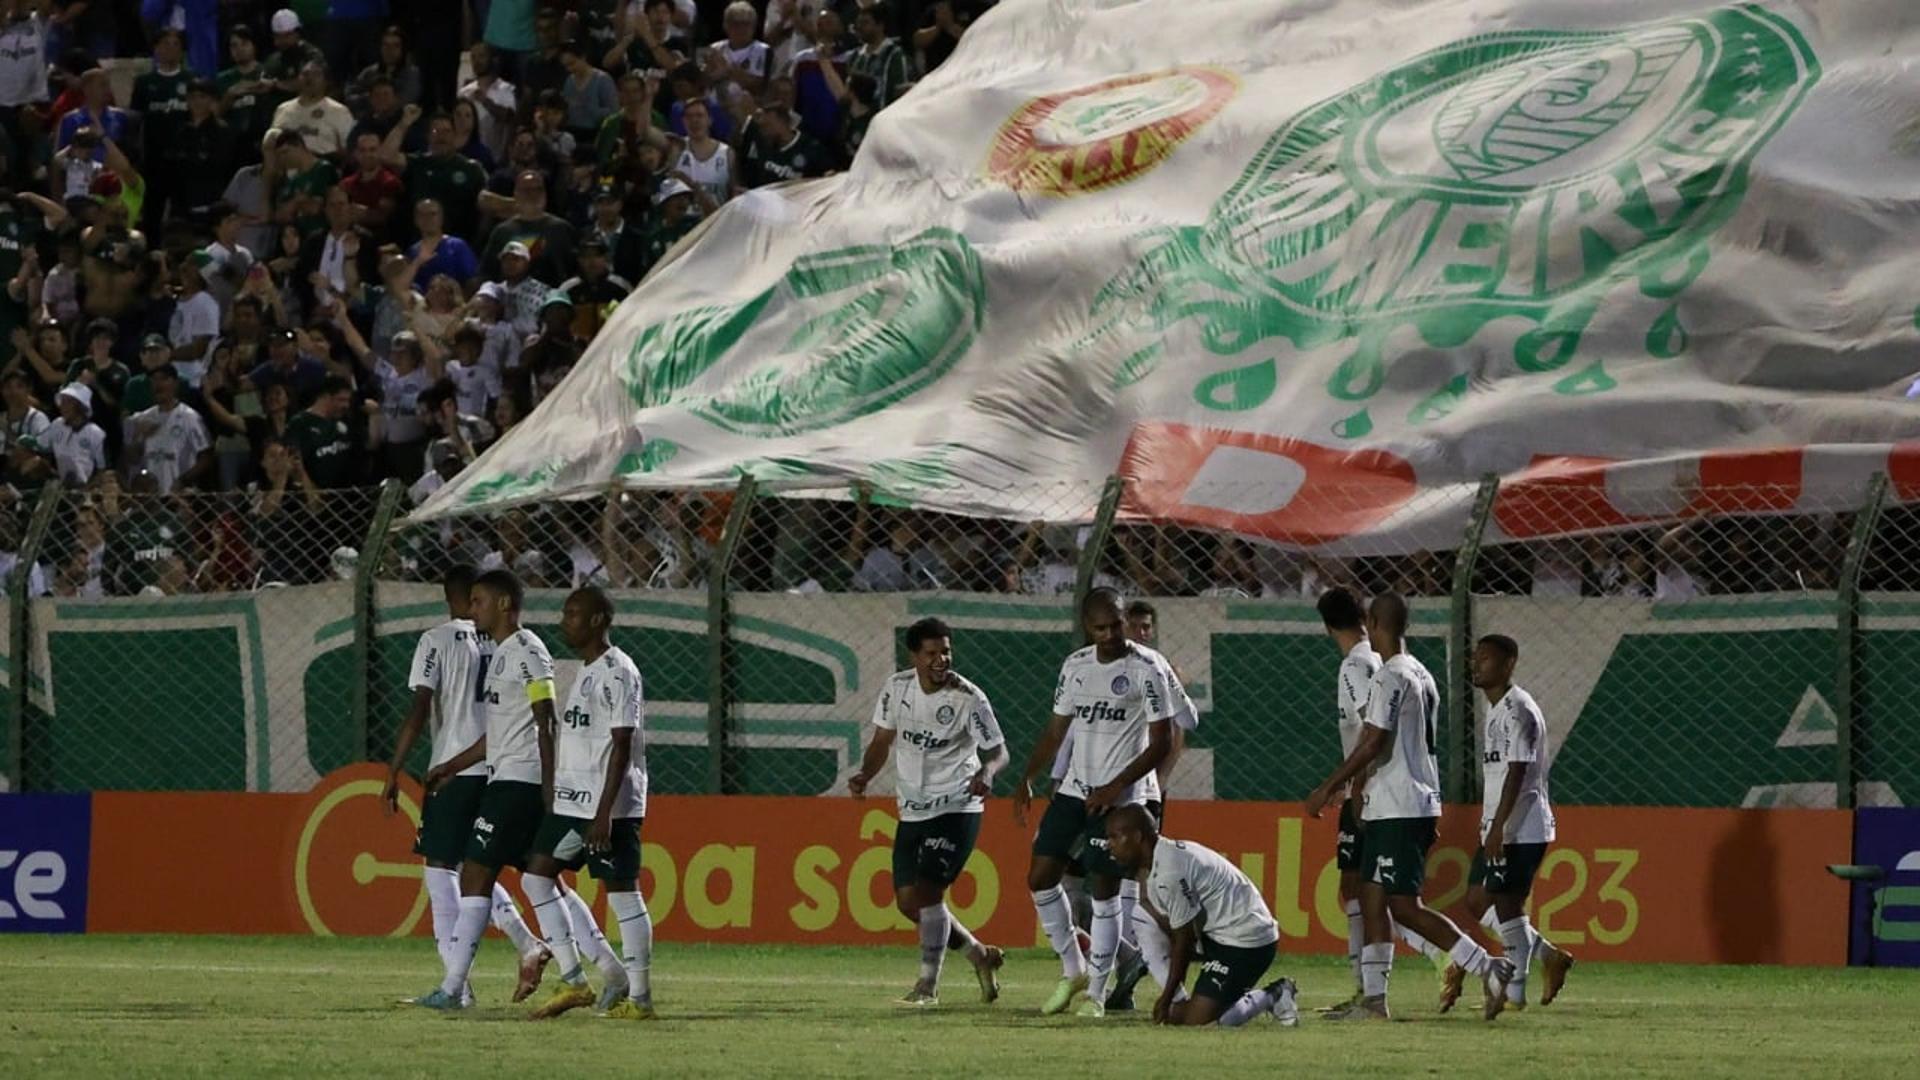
(1096, 548)
(20, 667)
(1459, 682)
(719, 660)
(1846, 672)
(372, 548)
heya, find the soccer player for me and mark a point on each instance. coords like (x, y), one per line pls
(1208, 906)
(947, 748)
(517, 697)
(1516, 824)
(594, 764)
(1113, 695)
(447, 665)
(1340, 614)
(1399, 813)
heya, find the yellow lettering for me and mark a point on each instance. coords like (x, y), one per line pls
(1461, 863)
(822, 904)
(1327, 903)
(986, 890)
(736, 908)
(1548, 908)
(1287, 912)
(871, 863)
(1614, 891)
(661, 892)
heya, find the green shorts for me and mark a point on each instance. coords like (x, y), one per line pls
(503, 831)
(934, 850)
(565, 839)
(1393, 853)
(1229, 971)
(446, 820)
(1068, 833)
(1508, 876)
(1346, 849)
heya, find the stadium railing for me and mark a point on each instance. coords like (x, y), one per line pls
(1738, 646)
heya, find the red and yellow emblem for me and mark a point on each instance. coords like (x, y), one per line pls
(1107, 133)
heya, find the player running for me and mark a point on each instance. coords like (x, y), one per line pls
(594, 767)
(1340, 614)
(447, 665)
(1113, 696)
(1516, 824)
(947, 748)
(1399, 812)
(1208, 906)
(517, 696)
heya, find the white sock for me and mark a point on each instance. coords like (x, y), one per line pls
(443, 898)
(1155, 949)
(1517, 936)
(468, 929)
(555, 923)
(1535, 943)
(1129, 900)
(506, 919)
(1056, 918)
(960, 938)
(587, 935)
(636, 942)
(1079, 900)
(1251, 1004)
(935, 922)
(1420, 945)
(1468, 954)
(1376, 964)
(1356, 937)
(1105, 932)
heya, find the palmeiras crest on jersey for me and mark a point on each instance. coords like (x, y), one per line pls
(1121, 684)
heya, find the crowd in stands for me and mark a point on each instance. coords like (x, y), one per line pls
(257, 258)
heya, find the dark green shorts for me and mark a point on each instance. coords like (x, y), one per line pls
(1346, 849)
(446, 820)
(565, 838)
(1068, 833)
(1228, 971)
(934, 850)
(1393, 853)
(503, 831)
(1508, 876)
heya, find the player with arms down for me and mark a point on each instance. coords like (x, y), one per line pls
(1399, 815)
(947, 748)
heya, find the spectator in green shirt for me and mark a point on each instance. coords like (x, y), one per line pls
(879, 55)
(321, 435)
(300, 196)
(442, 174)
(248, 94)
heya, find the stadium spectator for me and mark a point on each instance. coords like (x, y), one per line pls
(589, 93)
(324, 123)
(879, 57)
(495, 101)
(96, 114)
(247, 93)
(394, 65)
(777, 151)
(372, 188)
(704, 163)
(169, 438)
(291, 52)
(78, 446)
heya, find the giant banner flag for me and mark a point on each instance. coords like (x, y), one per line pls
(1285, 265)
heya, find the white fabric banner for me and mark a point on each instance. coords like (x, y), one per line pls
(1287, 266)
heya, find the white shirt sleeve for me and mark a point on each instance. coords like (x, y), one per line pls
(1524, 734)
(1156, 688)
(1383, 703)
(95, 441)
(986, 726)
(427, 663)
(621, 700)
(1176, 896)
(195, 439)
(883, 707)
(1061, 706)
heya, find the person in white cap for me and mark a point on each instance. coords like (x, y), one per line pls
(291, 52)
(671, 221)
(78, 445)
(503, 343)
(521, 293)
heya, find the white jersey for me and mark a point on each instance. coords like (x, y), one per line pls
(521, 673)
(1110, 707)
(1185, 717)
(937, 743)
(1516, 732)
(715, 174)
(1188, 880)
(1354, 685)
(1405, 703)
(450, 661)
(174, 439)
(606, 703)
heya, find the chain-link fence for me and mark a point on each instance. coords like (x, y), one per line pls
(1699, 649)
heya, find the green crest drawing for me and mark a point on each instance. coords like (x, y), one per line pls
(1518, 174)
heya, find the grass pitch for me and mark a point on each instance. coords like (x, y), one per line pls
(174, 1006)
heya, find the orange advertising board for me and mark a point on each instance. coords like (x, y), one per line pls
(1639, 884)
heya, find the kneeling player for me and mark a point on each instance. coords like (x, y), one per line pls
(1516, 824)
(594, 759)
(1208, 906)
(947, 748)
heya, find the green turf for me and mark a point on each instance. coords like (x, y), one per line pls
(174, 1006)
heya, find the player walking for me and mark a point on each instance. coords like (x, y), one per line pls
(1209, 906)
(594, 767)
(1516, 824)
(447, 664)
(947, 748)
(517, 696)
(1399, 812)
(1113, 695)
